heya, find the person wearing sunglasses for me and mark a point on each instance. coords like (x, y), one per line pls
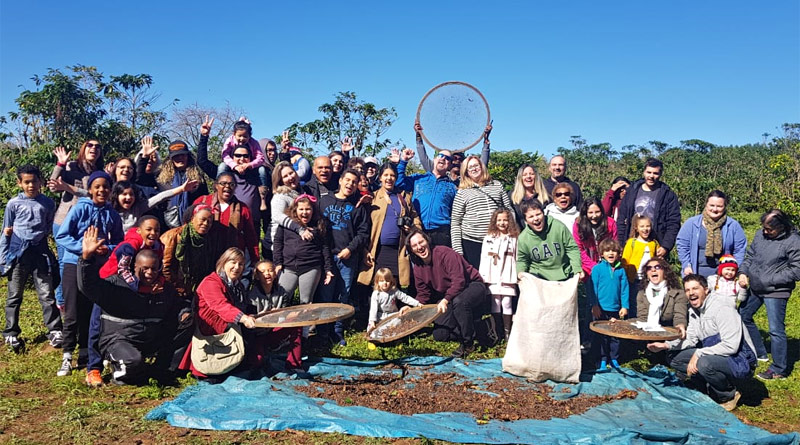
(661, 301)
(233, 215)
(433, 194)
(454, 171)
(563, 207)
(75, 173)
(558, 175)
(653, 198)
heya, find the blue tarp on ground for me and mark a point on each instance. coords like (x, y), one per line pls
(664, 411)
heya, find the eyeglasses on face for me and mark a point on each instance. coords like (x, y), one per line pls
(442, 155)
(226, 184)
(654, 267)
(93, 145)
(241, 155)
(560, 194)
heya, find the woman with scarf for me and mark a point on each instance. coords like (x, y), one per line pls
(233, 215)
(393, 217)
(563, 207)
(661, 300)
(222, 301)
(704, 238)
(179, 168)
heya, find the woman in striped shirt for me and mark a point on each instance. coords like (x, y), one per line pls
(478, 196)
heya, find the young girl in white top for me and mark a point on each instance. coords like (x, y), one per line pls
(498, 268)
(726, 282)
(384, 298)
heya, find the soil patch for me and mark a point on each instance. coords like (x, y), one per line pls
(410, 393)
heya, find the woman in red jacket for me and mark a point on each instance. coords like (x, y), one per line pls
(222, 301)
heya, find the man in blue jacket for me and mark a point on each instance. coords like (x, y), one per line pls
(652, 198)
(433, 194)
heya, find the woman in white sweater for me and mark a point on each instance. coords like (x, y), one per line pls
(477, 198)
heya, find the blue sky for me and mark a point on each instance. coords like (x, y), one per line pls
(618, 72)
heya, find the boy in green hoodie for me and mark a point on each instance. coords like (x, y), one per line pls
(546, 248)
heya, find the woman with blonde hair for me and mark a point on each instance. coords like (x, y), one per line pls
(478, 196)
(528, 185)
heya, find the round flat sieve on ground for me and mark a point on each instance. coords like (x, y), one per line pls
(304, 315)
(624, 329)
(398, 326)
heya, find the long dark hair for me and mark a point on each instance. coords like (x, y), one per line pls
(411, 255)
(585, 229)
(118, 188)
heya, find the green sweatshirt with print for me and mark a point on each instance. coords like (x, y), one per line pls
(551, 254)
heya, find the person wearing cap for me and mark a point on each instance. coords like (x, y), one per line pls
(173, 172)
(725, 282)
(371, 171)
(454, 172)
(94, 212)
(704, 239)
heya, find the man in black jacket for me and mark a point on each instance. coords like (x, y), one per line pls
(558, 174)
(321, 184)
(652, 198)
(134, 324)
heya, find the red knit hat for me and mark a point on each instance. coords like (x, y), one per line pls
(727, 261)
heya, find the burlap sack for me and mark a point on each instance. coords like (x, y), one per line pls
(544, 343)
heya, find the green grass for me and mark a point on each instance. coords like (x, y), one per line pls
(38, 407)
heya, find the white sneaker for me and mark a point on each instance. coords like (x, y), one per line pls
(56, 338)
(66, 368)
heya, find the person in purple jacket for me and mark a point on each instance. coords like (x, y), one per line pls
(444, 277)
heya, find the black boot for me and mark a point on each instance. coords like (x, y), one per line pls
(499, 326)
(508, 321)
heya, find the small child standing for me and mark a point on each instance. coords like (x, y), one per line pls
(611, 297)
(725, 282)
(498, 268)
(641, 246)
(24, 252)
(384, 298)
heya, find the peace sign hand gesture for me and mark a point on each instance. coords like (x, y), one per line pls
(285, 141)
(205, 128)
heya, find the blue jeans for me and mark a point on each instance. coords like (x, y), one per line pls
(60, 252)
(338, 290)
(776, 318)
(712, 370)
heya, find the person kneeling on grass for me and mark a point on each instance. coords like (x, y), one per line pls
(717, 350)
(444, 277)
(133, 322)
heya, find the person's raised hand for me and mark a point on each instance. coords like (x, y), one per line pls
(394, 156)
(347, 144)
(618, 185)
(91, 244)
(148, 148)
(190, 185)
(110, 168)
(418, 128)
(62, 155)
(407, 154)
(205, 127)
(486, 132)
(285, 141)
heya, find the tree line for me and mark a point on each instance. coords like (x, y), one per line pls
(77, 103)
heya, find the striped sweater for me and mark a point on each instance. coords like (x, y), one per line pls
(472, 211)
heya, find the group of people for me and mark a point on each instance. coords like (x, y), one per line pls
(148, 258)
